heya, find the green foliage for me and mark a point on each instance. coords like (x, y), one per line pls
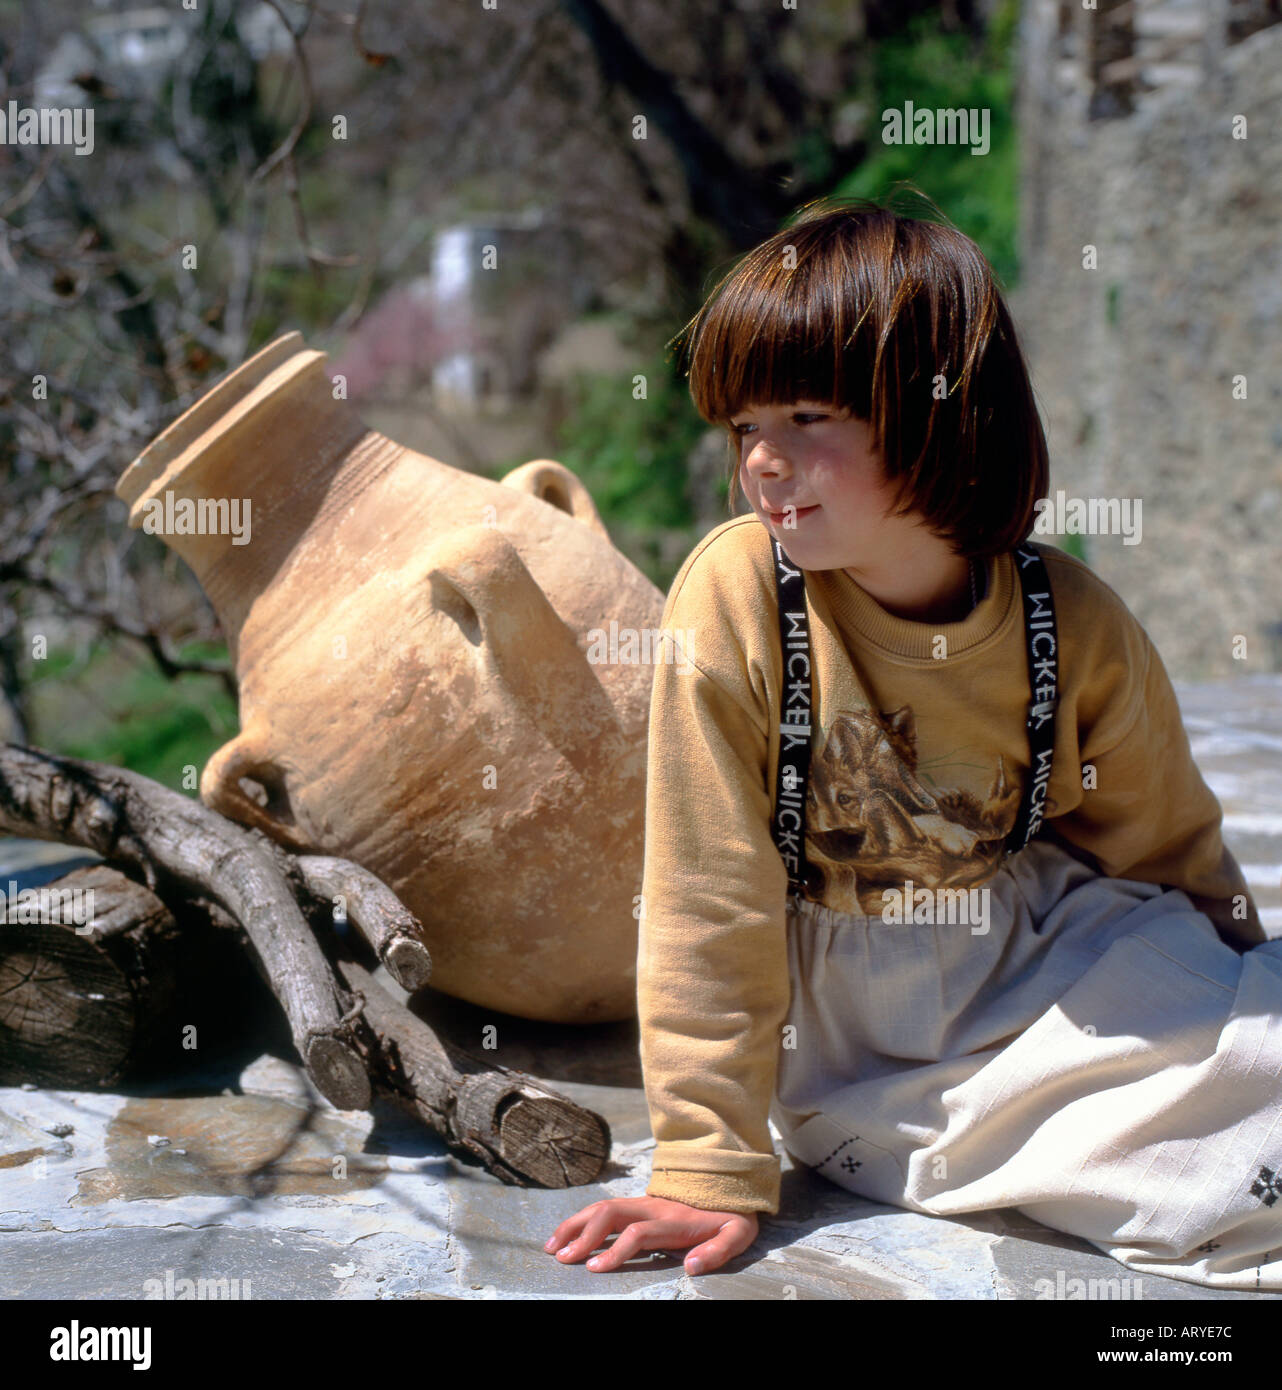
(1075, 546)
(938, 70)
(299, 298)
(631, 456)
(631, 453)
(135, 717)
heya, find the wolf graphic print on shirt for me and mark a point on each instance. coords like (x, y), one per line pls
(871, 822)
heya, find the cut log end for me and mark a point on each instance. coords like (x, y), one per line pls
(339, 1073)
(409, 963)
(67, 1012)
(553, 1142)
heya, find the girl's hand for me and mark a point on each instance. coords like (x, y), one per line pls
(653, 1223)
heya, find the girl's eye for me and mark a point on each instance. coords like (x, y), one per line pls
(802, 417)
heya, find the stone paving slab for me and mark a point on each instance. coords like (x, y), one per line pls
(140, 1193)
(144, 1262)
(20, 1143)
(1235, 732)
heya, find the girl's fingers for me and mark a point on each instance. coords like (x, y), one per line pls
(637, 1236)
(712, 1254)
(573, 1226)
(617, 1212)
(597, 1222)
(568, 1229)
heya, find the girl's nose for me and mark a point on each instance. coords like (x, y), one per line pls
(766, 459)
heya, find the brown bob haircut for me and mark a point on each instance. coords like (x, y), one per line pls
(867, 310)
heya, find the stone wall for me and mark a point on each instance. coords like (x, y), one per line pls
(1134, 362)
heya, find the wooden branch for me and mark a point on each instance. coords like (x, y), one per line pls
(87, 1009)
(390, 928)
(286, 147)
(135, 313)
(511, 1123)
(520, 1131)
(75, 602)
(154, 833)
(392, 931)
(745, 206)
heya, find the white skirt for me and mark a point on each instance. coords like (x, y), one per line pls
(1098, 1059)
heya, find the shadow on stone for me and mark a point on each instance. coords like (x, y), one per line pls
(600, 1054)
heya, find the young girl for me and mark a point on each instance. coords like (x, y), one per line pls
(1087, 1026)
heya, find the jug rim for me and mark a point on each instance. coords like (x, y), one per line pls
(241, 391)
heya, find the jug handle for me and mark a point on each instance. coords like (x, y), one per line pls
(553, 483)
(221, 791)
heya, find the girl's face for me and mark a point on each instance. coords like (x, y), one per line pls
(818, 458)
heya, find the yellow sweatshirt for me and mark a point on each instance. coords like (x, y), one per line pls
(919, 752)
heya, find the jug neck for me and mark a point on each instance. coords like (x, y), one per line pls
(234, 484)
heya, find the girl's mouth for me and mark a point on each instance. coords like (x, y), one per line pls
(778, 518)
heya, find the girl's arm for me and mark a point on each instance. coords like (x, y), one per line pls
(712, 972)
(1150, 815)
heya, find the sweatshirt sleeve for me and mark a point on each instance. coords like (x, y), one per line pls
(712, 973)
(1150, 815)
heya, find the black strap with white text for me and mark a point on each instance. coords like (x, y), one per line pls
(1043, 681)
(792, 775)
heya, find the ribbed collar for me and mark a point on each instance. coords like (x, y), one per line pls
(861, 616)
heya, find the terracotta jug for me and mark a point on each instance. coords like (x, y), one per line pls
(424, 684)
